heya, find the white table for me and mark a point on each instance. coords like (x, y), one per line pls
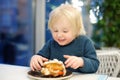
(13, 72)
(113, 78)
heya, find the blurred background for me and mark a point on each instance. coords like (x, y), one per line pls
(24, 30)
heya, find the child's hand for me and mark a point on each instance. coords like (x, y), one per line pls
(36, 62)
(73, 61)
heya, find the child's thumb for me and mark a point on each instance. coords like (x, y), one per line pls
(44, 59)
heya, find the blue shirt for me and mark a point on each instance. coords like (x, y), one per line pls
(81, 46)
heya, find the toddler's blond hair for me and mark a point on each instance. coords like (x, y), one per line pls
(72, 14)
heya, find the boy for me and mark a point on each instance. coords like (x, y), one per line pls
(69, 43)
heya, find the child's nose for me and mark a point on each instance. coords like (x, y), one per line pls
(59, 35)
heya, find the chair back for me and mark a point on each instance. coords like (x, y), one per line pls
(109, 62)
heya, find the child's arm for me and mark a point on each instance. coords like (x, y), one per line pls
(91, 63)
(88, 63)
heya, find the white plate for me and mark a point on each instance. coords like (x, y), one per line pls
(38, 76)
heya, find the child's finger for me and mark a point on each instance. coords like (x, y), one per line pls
(66, 56)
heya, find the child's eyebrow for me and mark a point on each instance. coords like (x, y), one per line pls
(65, 29)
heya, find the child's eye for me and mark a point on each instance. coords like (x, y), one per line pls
(65, 31)
(55, 30)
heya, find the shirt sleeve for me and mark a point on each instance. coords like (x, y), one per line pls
(91, 63)
(45, 51)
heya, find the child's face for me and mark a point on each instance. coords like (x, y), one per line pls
(62, 32)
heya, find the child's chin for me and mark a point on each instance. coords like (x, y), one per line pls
(62, 44)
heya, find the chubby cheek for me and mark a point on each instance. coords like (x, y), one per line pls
(69, 39)
(54, 37)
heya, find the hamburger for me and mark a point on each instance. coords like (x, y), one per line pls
(53, 68)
